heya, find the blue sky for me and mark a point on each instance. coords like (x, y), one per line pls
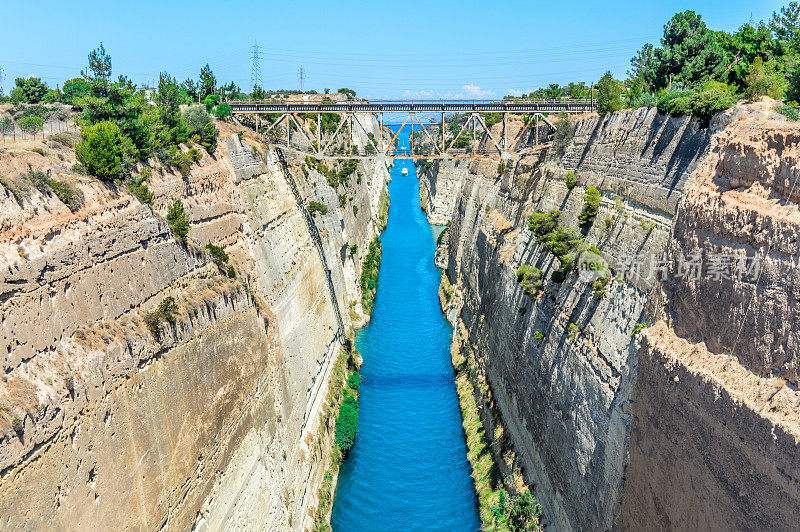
(381, 49)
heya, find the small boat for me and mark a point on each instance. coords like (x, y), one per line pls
(404, 171)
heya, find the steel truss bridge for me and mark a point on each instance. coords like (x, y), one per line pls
(297, 116)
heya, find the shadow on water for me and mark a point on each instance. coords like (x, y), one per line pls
(408, 469)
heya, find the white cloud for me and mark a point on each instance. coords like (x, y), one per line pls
(474, 91)
(419, 95)
(515, 92)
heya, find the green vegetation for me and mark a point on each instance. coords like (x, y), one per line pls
(353, 249)
(639, 328)
(383, 209)
(539, 335)
(609, 94)
(791, 113)
(563, 134)
(178, 220)
(599, 286)
(369, 275)
(347, 424)
(167, 311)
(591, 205)
(573, 331)
(571, 180)
(354, 381)
(498, 510)
(501, 167)
(100, 150)
(530, 277)
(317, 207)
(140, 190)
(69, 196)
(647, 226)
(218, 255)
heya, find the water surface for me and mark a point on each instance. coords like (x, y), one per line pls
(408, 469)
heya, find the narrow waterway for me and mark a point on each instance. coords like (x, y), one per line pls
(408, 469)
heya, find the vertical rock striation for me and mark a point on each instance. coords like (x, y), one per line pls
(612, 428)
(213, 422)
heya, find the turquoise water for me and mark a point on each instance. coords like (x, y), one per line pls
(408, 469)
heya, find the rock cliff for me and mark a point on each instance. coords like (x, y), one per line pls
(209, 422)
(612, 427)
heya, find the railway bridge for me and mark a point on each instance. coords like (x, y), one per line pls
(471, 130)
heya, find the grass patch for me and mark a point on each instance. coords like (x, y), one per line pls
(69, 196)
(167, 311)
(369, 275)
(383, 209)
(498, 510)
(317, 207)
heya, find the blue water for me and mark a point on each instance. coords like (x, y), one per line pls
(408, 469)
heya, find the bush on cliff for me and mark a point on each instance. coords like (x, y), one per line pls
(317, 207)
(591, 205)
(369, 275)
(354, 381)
(178, 220)
(347, 424)
(530, 277)
(100, 150)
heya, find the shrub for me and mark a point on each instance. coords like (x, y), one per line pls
(69, 383)
(789, 112)
(316, 206)
(65, 139)
(369, 275)
(524, 512)
(178, 221)
(223, 110)
(530, 277)
(218, 254)
(39, 150)
(140, 190)
(562, 136)
(674, 102)
(168, 309)
(353, 249)
(639, 328)
(542, 225)
(539, 335)
(712, 98)
(100, 150)
(599, 286)
(347, 424)
(231, 272)
(647, 226)
(609, 221)
(573, 331)
(69, 196)
(571, 180)
(644, 100)
(591, 204)
(31, 124)
(501, 167)
(354, 381)
(17, 424)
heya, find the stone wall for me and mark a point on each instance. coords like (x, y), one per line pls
(211, 423)
(591, 412)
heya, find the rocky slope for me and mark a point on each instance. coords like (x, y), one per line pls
(616, 429)
(213, 422)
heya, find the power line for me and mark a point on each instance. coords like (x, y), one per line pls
(301, 76)
(255, 73)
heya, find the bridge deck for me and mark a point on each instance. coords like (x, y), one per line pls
(412, 106)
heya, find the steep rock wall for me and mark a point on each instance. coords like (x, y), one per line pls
(211, 424)
(613, 431)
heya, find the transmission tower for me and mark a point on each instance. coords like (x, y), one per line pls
(301, 76)
(255, 74)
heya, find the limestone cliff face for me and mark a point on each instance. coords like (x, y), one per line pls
(439, 187)
(591, 409)
(212, 423)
